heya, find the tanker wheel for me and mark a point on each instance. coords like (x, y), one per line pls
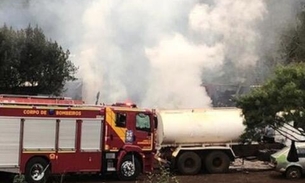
(37, 171)
(129, 169)
(189, 163)
(217, 162)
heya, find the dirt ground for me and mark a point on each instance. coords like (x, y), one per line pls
(265, 176)
(240, 172)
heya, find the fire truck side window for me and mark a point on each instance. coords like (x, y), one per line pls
(143, 122)
(121, 120)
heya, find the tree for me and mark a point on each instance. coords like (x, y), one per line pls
(278, 102)
(8, 58)
(293, 41)
(32, 64)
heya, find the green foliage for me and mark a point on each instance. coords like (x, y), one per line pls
(18, 178)
(164, 176)
(278, 101)
(31, 64)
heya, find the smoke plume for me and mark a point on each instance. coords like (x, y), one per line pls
(157, 53)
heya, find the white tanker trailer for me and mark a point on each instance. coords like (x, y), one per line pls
(198, 126)
(201, 139)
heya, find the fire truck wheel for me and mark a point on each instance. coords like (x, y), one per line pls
(189, 163)
(37, 171)
(130, 168)
(217, 162)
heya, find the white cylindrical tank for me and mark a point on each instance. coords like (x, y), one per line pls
(198, 126)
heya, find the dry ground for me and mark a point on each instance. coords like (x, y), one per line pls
(231, 177)
(247, 172)
(266, 176)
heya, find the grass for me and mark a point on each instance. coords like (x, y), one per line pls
(163, 176)
(19, 178)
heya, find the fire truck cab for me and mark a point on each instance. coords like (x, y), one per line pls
(42, 136)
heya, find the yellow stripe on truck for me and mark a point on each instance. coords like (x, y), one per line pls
(110, 120)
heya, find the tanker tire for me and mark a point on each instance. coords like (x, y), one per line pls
(217, 162)
(189, 163)
(129, 171)
(33, 171)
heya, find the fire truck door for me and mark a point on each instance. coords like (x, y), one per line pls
(116, 122)
(79, 145)
(143, 136)
(90, 145)
(9, 142)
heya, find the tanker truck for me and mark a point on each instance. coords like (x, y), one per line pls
(202, 139)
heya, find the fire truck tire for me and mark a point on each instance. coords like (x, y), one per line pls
(129, 170)
(217, 162)
(34, 171)
(189, 163)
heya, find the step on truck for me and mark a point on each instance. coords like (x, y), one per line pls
(43, 136)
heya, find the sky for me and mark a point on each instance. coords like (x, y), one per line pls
(157, 53)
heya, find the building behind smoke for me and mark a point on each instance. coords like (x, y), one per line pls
(223, 95)
(73, 89)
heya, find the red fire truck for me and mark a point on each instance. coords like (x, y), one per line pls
(41, 136)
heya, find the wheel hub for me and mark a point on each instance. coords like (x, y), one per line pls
(217, 162)
(37, 172)
(189, 163)
(128, 168)
(293, 174)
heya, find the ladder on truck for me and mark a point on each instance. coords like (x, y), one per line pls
(6, 99)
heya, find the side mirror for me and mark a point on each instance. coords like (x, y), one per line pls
(156, 122)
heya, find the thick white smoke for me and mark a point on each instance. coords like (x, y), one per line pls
(177, 65)
(227, 29)
(153, 52)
